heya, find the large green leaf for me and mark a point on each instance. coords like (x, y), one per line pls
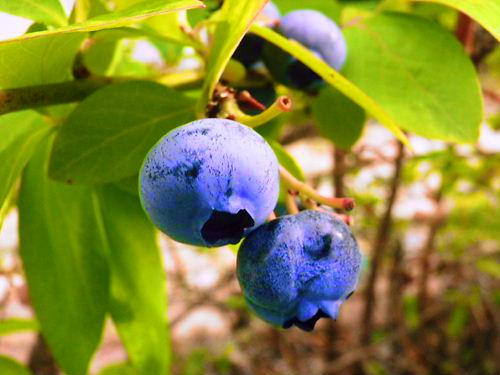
(233, 22)
(418, 72)
(38, 61)
(108, 135)
(333, 77)
(138, 297)
(330, 8)
(9, 366)
(338, 118)
(63, 254)
(49, 12)
(20, 134)
(135, 13)
(168, 25)
(485, 12)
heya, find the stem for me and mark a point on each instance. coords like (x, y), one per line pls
(302, 188)
(427, 250)
(379, 248)
(271, 216)
(291, 205)
(339, 171)
(12, 100)
(281, 104)
(465, 32)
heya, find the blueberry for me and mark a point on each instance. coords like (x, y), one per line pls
(315, 31)
(297, 269)
(208, 183)
(249, 50)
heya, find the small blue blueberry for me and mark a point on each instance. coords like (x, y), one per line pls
(299, 268)
(315, 31)
(208, 183)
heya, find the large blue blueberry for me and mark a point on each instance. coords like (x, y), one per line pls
(209, 182)
(299, 268)
(315, 31)
(249, 50)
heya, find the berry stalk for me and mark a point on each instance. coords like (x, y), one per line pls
(303, 189)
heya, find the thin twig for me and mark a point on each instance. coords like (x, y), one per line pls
(379, 248)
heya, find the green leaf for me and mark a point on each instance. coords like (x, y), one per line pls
(287, 161)
(329, 8)
(38, 61)
(108, 135)
(457, 321)
(20, 134)
(419, 73)
(15, 325)
(49, 12)
(129, 185)
(338, 118)
(120, 18)
(138, 296)
(168, 26)
(9, 366)
(120, 369)
(485, 12)
(489, 266)
(331, 76)
(233, 22)
(62, 250)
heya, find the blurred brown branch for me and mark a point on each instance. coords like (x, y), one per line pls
(379, 248)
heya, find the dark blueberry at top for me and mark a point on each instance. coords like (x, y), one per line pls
(316, 32)
(249, 50)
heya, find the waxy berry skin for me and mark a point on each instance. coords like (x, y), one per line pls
(316, 32)
(208, 183)
(299, 268)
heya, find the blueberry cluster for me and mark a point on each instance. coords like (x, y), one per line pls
(213, 182)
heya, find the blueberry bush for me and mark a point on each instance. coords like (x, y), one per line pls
(126, 121)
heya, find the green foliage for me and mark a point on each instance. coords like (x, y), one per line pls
(418, 73)
(14, 325)
(138, 296)
(49, 12)
(38, 61)
(287, 161)
(10, 367)
(338, 118)
(62, 248)
(330, 8)
(106, 138)
(485, 12)
(135, 13)
(120, 369)
(20, 134)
